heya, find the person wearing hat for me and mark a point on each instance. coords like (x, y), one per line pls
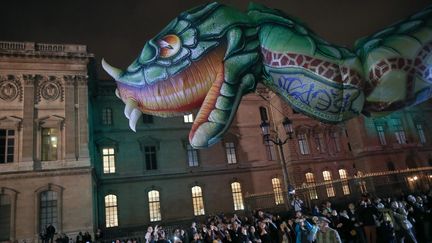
(326, 234)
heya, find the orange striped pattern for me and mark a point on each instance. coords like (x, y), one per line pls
(181, 93)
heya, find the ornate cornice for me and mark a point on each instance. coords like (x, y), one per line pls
(46, 173)
(43, 50)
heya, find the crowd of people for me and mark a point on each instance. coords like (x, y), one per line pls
(370, 220)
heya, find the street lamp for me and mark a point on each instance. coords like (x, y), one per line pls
(287, 125)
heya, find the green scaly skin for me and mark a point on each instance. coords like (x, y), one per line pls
(209, 57)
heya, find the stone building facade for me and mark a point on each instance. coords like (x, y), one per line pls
(45, 169)
(146, 177)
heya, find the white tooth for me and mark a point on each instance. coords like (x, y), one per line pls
(117, 93)
(134, 116)
(130, 105)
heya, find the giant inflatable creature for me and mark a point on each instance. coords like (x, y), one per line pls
(209, 57)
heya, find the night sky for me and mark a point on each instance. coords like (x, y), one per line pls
(117, 30)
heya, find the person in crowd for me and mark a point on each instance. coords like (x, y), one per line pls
(297, 204)
(367, 215)
(404, 227)
(326, 234)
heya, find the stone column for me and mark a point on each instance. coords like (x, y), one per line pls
(70, 121)
(28, 124)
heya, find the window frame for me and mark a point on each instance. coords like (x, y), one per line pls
(107, 116)
(189, 118)
(197, 199)
(237, 196)
(277, 191)
(57, 146)
(421, 133)
(110, 156)
(150, 157)
(327, 176)
(7, 137)
(111, 215)
(231, 153)
(380, 128)
(310, 181)
(303, 144)
(343, 175)
(154, 206)
(399, 131)
(192, 156)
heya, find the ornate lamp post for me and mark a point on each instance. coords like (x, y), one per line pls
(287, 125)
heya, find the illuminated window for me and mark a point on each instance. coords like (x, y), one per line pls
(237, 196)
(49, 144)
(48, 211)
(277, 191)
(230, 153)
(198, 202)
(303, 144)
(421, 133)
(5, 220)
(192, 156)
(362, 183)
(150, 157)
(399, 131)
(7, 145)
(310, 180)
(106, 116)
(111, 211)
(320, 143)
(344, 181)
(108, 157)
(270, 149)
(381, 134)
(336, 141)
(188, 118)
(154, 206)
(329, 187)
(147, 119)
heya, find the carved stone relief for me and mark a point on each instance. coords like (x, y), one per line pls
(10, 88)
(50, 89)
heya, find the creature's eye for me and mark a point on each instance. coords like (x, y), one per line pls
(169, 45)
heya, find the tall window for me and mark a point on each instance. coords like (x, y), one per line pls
(188, 118)
(197, 200)
(270, 149)
(336, 141)
(150, 157)
(5, 219)
(399, 131)
(192, 156)
(420, 131)
(111, 211)
(277, 190)
(154, 206)
(263, 113)
(344, 181)
(329, 187)
(107, 116)
(147, 119)
(7, 144)
(49, 144)
(362, 183)
(237, 196)
(48, 213)
(381, 134)
(320, 143)
(230, 153)
(310, 180)
(108, 157)
(303, 144)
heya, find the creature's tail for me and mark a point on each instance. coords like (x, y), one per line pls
(391, 68)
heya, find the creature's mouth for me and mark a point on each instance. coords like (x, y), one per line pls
(176, 95)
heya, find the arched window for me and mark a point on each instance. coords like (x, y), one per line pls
(343, 175)
(237, 196)
(263, 113)
(5, 219)
(277, 189)
(197, 200)
(111, 211)
(310, 180)
(154, 206)
(329, 186)
(48, 210)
